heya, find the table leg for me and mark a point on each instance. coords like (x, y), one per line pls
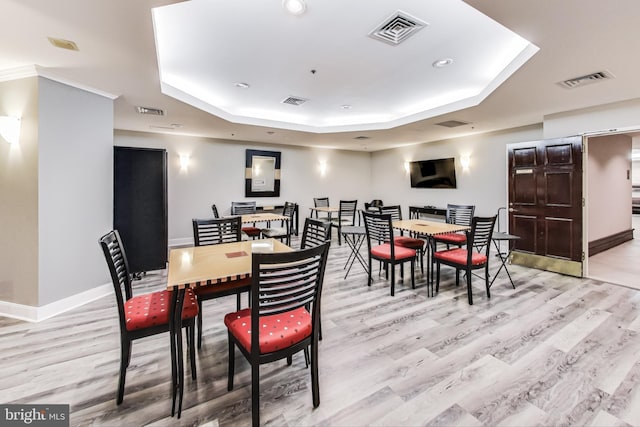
(177, 363)
(503, 264)
(355, 243)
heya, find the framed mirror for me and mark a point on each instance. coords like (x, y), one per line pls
(262, 173)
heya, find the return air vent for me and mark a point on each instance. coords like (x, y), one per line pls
(584, 80)
(362, 137)
(150, 111)
(452, 123)
(294, 100)
(397, 28)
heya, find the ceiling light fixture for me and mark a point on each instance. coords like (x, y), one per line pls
(441, 63)
(346, 107)
(242, 85)
(294, 7)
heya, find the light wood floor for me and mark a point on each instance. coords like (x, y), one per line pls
(555, 351)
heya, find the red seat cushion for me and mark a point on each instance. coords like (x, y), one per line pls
(454, 238)
(408, 242)
(459, 256)
(251, 231)
(277, 331)
(384, 251)
(152, 309)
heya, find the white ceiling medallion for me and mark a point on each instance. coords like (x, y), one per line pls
(397, 28)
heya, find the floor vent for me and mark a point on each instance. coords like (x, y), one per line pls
(397, 28)
(452, 123)
(150, 111)
(294, 100)
(584, 80)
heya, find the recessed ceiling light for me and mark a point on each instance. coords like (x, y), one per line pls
(242, 85)
(346, 107)
(63, 44)
(294, 7)
(442, 62)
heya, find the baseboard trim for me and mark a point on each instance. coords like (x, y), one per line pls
(38, 314)
(608, 242)
(185, 241)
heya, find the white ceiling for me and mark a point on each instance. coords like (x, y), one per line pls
(117, 55)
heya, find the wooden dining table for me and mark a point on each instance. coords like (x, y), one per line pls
(199, 266)
(428, 229)
(262, 217)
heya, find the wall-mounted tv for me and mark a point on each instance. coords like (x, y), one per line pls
(438, 173)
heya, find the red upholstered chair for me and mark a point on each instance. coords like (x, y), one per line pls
(459, 215)
(405, 241)
(213, 232)
(142, 315)
(283, 318)
(474, 257)
(379, 237)
(246, 208)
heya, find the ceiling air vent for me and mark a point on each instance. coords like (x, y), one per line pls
(362, 137)
(452, 123)
(294, 100)
(584, 80)
(397, 28)
(150, 111)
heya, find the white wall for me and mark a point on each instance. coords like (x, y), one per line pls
(609, 189)
(19, 196)
(75, 189)
(483, 185)
(216, 175)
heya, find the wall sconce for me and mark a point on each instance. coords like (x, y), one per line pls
(407, 167)
(323, 168)
(184, 162)
(10, 129)
(465, 161)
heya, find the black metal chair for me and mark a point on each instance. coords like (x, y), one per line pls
(142, 315)
(315, 233)
(346, 216)
(373, 206)
(215, 211)
(321, 202)
(284, 315)
(459, 215)
(381, 247)
(246, 208)
(474, 257)
(283, 232)
(214, 232)
(406, 241)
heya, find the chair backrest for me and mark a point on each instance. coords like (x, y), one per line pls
(216, 231)
(285, 281)
(379, 230)
(119, 268)
(215, 211)
(315, 233)
(460, 214)
(321, 202)
(243, 208)
(347, 211)
(480, 235)
(395, 211)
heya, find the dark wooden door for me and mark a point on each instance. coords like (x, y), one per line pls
(545, 203)
(140, 206)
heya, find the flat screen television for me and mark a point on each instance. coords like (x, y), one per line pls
(438, 173)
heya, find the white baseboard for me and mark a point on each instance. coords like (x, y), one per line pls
(185, 241)
(38, 314)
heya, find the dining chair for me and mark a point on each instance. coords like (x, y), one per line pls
(246, 208)
(405, 241)
(283, 318)
(283, 232)
(213, 232)
(459, 215)
(142, 315)
(346, 216)
(474, 257)
(315, 233)
(373, 205)
(380, 245)
(321, 202)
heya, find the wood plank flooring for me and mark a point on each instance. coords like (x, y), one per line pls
(555, 351)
